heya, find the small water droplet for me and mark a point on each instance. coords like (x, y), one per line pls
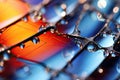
(25, 19)
(104, 35)
(1, 48)
(35, 16)
(76, 32)
(41, 28)
(22, 45)
(63, 13)
(113, 55)
(91, 48)
(23, 71)
(42, 10)
(52, 30)
(102, 4)
(26, 68)
(63, 22)
(35, 40)
(106, 53)
(68, 55)
(100, 70)
(100, 17)
(115, 9)
(79, 44)
(6, 56)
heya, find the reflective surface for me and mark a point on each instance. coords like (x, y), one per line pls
(59, 40)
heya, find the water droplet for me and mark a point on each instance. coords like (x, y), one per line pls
(41, 28)
(115, 9)
(63, 13)
(34, 16)
(52, 30)
(91, 48)
(100, 70)
(22, 45)
(23, 72)
(25, 19)
(63, 22)
(1, 48)
(26, 68)
(35, 40)
(76, 32)
(102, 4)
(113, 55)
(106, 53)
(68, 54)
(104, 35)
(100, 17)
(6, 56)
(8, 51)
(63, 6)
(86, 6)
(42, 10)
(79, 44)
